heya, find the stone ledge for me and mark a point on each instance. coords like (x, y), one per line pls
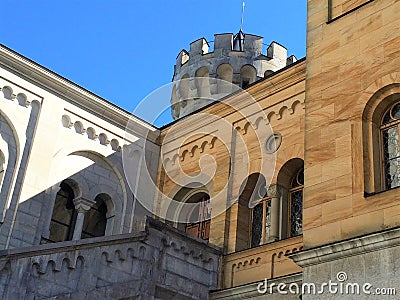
(250, 290)
(141, 235)
(351, 247)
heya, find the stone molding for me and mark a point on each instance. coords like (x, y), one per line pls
(83, 205)
(86, 128)
(274, 190)
(157, 260)
(355, 246)
(77, 95)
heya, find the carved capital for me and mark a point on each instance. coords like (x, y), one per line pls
(83, 205)
(274, 190)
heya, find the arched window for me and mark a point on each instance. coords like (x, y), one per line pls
(253, 213)
(95, 221)
(390, 146)
(260, 221)
(268, 72)
(248, 75)
(64, 215)
(296, 204)
(198, 221)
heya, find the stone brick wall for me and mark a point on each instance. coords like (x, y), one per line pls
(157, 262)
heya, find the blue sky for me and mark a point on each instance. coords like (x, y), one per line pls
(122, 50)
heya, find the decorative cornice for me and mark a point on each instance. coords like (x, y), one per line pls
(200, 146)
(355, 246)
(75, 94)
(84, 127)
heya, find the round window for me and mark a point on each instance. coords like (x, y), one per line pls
(273, 142)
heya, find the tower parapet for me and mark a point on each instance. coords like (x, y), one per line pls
(237, 59)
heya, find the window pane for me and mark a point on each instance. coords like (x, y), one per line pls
(393, 173)
(193, 229)
(95, 221)
(396, 111)
(391, 157)
(391, 143)
(298, 180)
(256, 227)
(267, 220)
(58, 232)
(387, 118)
(63, 217)
(60, 212)
(296, 201)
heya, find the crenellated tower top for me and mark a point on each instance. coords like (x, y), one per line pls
(236, 58)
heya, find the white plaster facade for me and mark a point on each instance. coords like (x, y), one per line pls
(53, 130)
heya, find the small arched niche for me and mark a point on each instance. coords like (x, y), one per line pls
(203, 82)
(184, 86)
(248, 75)
(225, 74)
(268, 73)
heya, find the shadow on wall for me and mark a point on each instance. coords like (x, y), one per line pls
(95, 201)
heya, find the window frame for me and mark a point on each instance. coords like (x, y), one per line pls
(263, 240)
(382, 159)
(293, 189)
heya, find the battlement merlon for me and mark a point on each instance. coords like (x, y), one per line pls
(198, 47)
(277, 51)
(223, 45)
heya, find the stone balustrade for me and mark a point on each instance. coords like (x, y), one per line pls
(158, 262)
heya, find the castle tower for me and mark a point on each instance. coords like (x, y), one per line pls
(236, 58)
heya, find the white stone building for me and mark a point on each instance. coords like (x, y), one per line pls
(71, 226)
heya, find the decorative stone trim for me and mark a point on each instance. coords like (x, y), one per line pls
(16, 94)
(201, 146)
(355, 246)
(273, 142)
(90, 132)
(277, 111)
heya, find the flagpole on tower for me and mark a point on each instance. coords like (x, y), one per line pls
(241, 22)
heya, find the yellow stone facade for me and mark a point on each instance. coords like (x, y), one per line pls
(326, 108)
(352, 66)
(282, 100)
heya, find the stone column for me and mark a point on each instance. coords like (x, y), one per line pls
(274, 191)
(82, 206)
